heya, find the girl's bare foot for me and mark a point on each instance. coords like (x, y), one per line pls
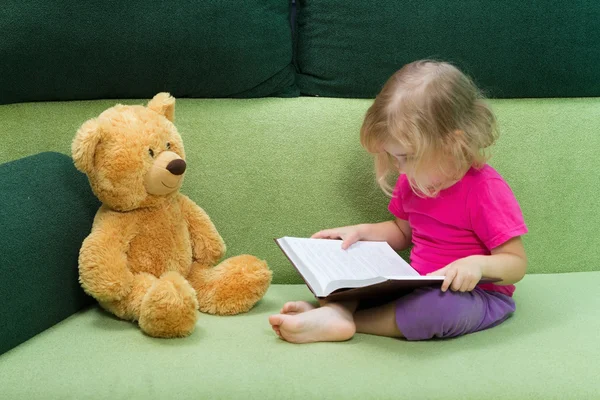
(330, 323)
(292, 308)
(296, 307)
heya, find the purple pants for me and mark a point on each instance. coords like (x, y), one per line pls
(430, 313)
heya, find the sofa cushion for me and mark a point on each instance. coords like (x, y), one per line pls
(65, 50)
(547, 350)
(266, 168)
(512, 48)
(46, 210)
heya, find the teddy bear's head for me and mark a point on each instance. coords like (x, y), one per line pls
(133, 155)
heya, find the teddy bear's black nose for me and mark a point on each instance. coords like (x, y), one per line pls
(176, 167)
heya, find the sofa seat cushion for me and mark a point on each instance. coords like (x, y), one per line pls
(547, 350)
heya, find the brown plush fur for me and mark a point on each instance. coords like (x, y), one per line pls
(152, 251)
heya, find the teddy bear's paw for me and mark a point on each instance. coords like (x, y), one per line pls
(101, 281)
(169, 308)
(129, 307)
(236, 285)
(209, 252)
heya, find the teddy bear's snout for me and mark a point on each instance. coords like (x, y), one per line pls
(176, 167)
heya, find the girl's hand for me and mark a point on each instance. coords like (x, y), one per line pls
(348, 234)
(461, 275)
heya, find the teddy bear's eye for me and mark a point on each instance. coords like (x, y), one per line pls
(168, 146)
(151, 152)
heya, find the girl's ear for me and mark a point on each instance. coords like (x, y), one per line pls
(164, 104)
(84, 145)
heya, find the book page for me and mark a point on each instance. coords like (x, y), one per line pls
(362, 261)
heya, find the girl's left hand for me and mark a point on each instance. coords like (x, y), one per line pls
(461, 275)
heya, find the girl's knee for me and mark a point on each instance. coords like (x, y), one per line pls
(430, 313)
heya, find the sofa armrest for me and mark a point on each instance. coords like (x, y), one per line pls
(46, 210)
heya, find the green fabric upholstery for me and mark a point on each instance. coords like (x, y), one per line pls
(512, 48)
(66, 49)
(265, 168)
(46, 210)
(547, 350)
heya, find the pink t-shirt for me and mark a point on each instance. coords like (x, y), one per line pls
(475, 215)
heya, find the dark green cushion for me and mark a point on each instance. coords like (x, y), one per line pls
(67, 49)
(46, 210)
(512, 48)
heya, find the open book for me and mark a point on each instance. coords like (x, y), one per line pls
(364, 268)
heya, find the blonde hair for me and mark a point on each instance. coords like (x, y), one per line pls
(434, 111)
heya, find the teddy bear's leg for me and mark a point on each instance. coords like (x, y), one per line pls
(232, 287)
(129, 306)
(169, 308)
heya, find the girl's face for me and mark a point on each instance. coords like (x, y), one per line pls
(402, 157)
(430, 175)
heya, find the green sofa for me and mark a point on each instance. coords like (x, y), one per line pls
(265, 168)
(268, 167)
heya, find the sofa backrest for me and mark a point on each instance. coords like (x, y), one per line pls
(263, 171)
(267, 168)
(70, 50)
(512, 48)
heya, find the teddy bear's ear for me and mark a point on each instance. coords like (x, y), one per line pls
(84, 145)
(164, 104)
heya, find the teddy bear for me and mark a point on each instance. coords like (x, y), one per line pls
(152, 253)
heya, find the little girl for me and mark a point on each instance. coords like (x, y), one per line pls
(431, 125)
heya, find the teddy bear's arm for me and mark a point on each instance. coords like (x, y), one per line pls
(103, 270)
(207, 245)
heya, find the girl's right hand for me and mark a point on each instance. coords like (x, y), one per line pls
(348, 234)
